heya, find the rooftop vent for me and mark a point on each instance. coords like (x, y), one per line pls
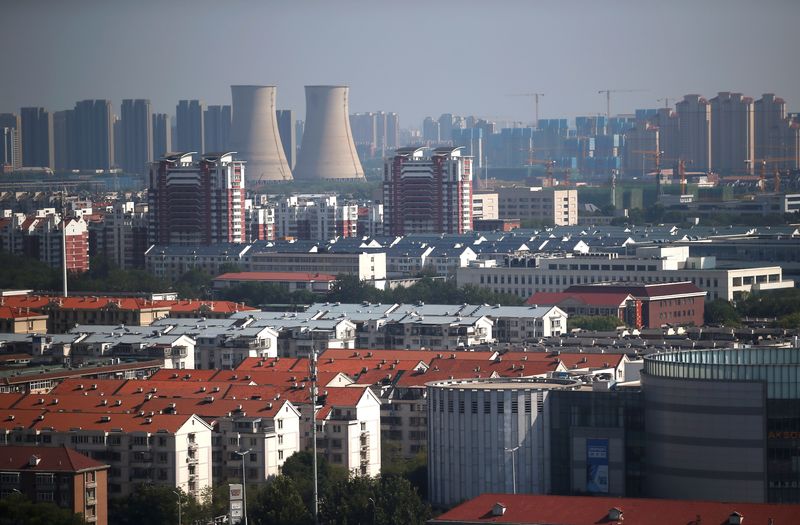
(615, 514)
(735, 518)
(105, 419)
(498, 509)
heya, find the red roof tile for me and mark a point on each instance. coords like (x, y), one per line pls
(49, 459)
(7, 400)
(10, 312)
(92, 387)
(65, 421)
(174, 388)
(609, 299)
(587, 510)
(217, 408)
(79, 403)
(391, 355)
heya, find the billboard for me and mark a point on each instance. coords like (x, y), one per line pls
(236, 510)
(597, 466)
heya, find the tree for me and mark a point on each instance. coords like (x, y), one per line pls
(299, 467)
(278, 503)
(389, 500)
(16, 509)
(600, 323)
(791, 321)
(720, 311)
(146, 505)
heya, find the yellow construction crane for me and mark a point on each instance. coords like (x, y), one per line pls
(608, 97)
(535, 97)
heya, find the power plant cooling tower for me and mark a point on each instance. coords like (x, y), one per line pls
(254, 134)
(328, 150)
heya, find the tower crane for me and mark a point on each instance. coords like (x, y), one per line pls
(535, 97)
(608, 97)
(762, 175)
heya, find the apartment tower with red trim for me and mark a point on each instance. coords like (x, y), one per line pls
(427, 194)
(197, 202)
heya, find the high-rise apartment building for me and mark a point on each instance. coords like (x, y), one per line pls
(431, 131)
(731, 133)
(288, 134)
(62, 141)
(8, 139)
(196, 202)
(37, 138)
(643, 138)
(391, 130)
(190, 130)
(666, 120)
(136, 135)
(13, 122)
(546, 205)
(217, 129)
(768, 129)
(91, 128)
(162, 135)
(694, 124)
(427, 194)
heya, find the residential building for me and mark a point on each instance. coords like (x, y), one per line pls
(162, 135)
(427, 194)
(639, 143)
(121, 234)
(485, 206)
(471, 139)
(288, 134)
(349, 430)
(8, 150)
(59, 475)
(91, 130)
(136, 134)
(190, 129)
(732, 146)
(668, 124)
(63, 141)
(18, 321)
(41, 236)
(546, 205)
(37, 138)
(196, 202)
(11, 124)
(315, 217)
(431, 132)
(611, 304)
(169, 449)
(694, 122)
(217, 129)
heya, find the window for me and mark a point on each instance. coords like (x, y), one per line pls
(280, 423)
(280, 454)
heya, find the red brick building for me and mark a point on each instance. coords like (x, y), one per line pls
(678, 303)
(59, 475)
(618, 304)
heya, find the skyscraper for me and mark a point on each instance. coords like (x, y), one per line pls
(196, 202)
(731, 133)
(392, 140)
(431, 131)
(427, 194)
(8, 138)
(162, 135)
(62, 142)
(217, 124)
(37, 138)
(694, 122)
(13, 122)
(190, 126)
(286, 130)
(137, 135)
(666, 120)
(92, 129)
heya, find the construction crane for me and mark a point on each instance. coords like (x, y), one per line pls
(608, 97)
(665, 100)
(535, 97)
(762, 175)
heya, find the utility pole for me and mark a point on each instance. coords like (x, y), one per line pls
(244, 484)
(177, 493)
(64, 240)
(312, 363)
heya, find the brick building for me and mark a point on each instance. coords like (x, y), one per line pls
(59, 475)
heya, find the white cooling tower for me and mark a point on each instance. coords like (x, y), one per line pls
(327, 150)
(254, 134)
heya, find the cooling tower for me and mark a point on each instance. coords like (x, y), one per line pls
(327, 150)
(254, 134)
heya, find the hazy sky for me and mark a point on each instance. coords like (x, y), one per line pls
(416, 58)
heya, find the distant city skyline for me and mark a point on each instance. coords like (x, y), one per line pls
(413, 58)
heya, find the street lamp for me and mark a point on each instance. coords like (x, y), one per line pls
(177, 493)
(244, 484)
(513, 466)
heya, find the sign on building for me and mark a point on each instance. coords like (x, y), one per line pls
(597, 466)
(237, 502)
